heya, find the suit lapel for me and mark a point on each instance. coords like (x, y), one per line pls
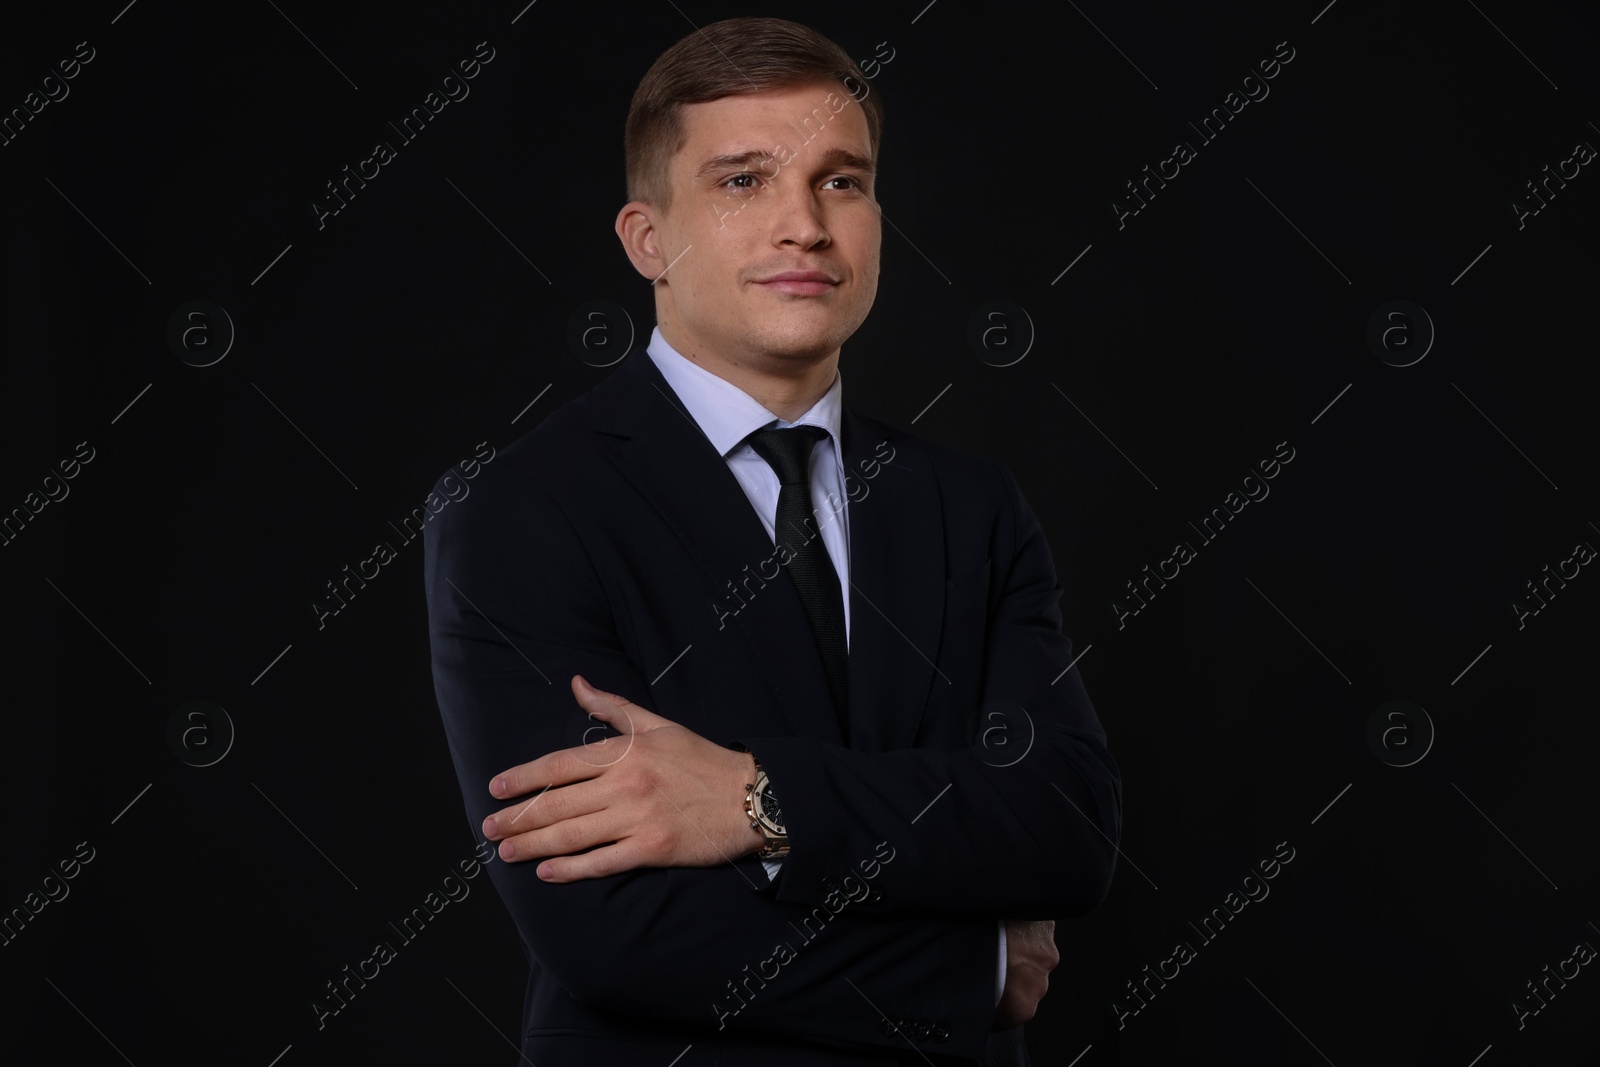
(896, 558)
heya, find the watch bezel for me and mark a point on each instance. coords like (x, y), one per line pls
(772, 827)
(774, 833)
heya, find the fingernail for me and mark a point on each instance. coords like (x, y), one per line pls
(490, 827)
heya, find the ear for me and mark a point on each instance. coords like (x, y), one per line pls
(636, 229)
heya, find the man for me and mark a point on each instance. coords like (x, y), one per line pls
(765, 702)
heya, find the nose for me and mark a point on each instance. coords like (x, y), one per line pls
(797, 218)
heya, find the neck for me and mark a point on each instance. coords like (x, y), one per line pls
(786, 386)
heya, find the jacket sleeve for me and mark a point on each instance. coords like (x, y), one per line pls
(516, 608)
(1020, 822)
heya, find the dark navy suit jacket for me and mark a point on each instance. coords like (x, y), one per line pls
(613, 542)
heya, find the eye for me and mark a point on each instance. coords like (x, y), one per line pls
(742, 183)
(852, 183)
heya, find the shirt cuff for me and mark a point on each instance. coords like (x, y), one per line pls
(772, 867)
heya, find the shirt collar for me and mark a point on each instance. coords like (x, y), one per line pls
(727, 414)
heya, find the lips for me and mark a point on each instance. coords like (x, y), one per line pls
(800, 282)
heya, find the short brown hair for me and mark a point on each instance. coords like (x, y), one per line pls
(728, 58)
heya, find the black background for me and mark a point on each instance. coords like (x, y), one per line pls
(1178, 351)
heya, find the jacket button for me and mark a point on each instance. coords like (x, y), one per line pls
(940, 1031)
(888, 1027)
(922, 1029)
(876, 896)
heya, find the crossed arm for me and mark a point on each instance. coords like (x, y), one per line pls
(650, 851)
(674, 800)
(640, 824)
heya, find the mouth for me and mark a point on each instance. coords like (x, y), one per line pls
(800, 283)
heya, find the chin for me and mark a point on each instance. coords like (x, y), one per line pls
(800, 343)
(803, 333)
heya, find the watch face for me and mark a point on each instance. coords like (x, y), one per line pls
(770, 811)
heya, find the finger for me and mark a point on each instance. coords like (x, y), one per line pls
(543, 809)
(613, 859)
(522, 817)
(561, 767)
(614, 710)
(561, 839)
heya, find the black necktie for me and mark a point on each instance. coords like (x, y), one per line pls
(788, 453)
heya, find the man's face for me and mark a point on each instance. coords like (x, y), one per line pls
(766, 184)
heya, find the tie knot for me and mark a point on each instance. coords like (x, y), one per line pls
(788, 451)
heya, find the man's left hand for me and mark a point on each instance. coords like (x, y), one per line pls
(671, 798)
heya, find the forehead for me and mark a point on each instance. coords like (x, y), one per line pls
(790, 116)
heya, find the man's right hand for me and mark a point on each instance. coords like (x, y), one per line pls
(1030, 957)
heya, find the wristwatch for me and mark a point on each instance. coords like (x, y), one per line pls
(762, 809)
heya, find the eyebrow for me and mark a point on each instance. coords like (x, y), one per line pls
(832, 159)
